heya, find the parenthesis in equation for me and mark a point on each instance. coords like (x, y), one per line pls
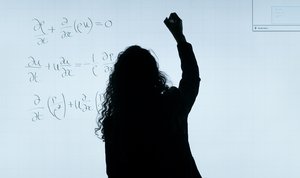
(74, 25)
(94, 70)
(98, 102)
(53, 112)
(65, 106)
(92, 25)
(85, 24)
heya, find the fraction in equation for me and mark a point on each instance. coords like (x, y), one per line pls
(66, 28)
(58, 106)
(66, 68)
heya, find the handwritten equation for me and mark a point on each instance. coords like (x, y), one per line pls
(66, 28)
(59, 106)
(65, 68)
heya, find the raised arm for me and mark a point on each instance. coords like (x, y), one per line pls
(189, 83)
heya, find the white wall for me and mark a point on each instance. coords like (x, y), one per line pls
(245, 122)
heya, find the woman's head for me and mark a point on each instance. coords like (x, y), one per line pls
(135, 77)
(136, 69)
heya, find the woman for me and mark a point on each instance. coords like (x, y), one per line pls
(143, 121)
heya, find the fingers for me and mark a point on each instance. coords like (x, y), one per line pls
(173, 20)
(174, 23)
(166, 21)
(174, 17)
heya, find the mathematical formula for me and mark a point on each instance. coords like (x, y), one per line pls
(58, 106)
(63, 67)
(66, 28)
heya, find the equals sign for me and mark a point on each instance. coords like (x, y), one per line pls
(98, 23)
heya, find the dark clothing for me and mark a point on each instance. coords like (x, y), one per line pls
(152, 142)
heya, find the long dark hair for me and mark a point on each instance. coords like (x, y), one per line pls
(135, 75)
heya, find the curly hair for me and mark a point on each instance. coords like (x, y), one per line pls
(135, 71)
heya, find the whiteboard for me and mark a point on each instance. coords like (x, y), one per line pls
(56, 57)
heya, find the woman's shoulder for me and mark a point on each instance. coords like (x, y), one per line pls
(172, 97)
(172, 92)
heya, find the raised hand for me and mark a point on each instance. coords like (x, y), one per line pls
(174, 24)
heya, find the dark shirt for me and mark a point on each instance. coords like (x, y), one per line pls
(153, 142)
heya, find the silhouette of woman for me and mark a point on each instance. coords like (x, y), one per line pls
(143, 121)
